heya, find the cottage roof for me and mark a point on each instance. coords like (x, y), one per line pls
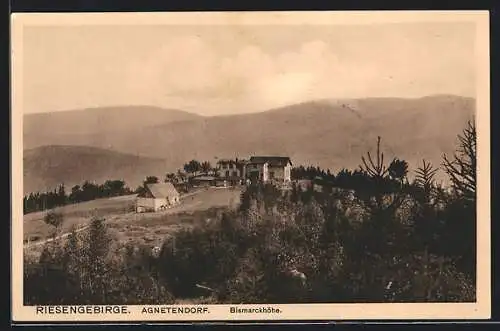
(162, 190)
(279, 161)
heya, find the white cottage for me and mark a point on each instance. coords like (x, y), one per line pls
(156, 197)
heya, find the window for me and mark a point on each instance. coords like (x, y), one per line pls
(235, 173)
(271, 174)
(227, 173)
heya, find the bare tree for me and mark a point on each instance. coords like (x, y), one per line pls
(380, 173)
(461, 168)
(383, 193)
(375, 169)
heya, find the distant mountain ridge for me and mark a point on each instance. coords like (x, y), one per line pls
(99, 119)
(328, 133)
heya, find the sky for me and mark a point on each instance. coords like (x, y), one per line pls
(221, 69)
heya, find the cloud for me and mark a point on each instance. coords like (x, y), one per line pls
(188, 67)
(188, 72)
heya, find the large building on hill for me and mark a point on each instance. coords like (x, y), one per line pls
(276, 169)
(157, 197)
(232, 171)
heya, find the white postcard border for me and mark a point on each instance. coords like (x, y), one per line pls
(479, 310)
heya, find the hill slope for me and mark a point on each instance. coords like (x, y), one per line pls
(98, 120)
(329, 133)
(46, 167)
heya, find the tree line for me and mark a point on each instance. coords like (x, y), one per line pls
(352, 179)
(79, 193)
(311, 172)
(87, 191)
(190, 169)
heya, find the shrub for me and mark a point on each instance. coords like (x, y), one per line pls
(88, 270)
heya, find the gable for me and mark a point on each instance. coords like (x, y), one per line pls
(274, 161)
(146, 193)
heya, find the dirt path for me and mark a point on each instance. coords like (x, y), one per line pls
(62, 236)
(85, 227)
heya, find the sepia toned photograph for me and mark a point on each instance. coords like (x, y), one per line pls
(203, 163)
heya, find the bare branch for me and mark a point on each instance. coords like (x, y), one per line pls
(462, 168)
(375, 168)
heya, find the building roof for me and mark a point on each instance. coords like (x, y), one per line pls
(231, 161)
(203, 177)
(279, 161)
(162, 190)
